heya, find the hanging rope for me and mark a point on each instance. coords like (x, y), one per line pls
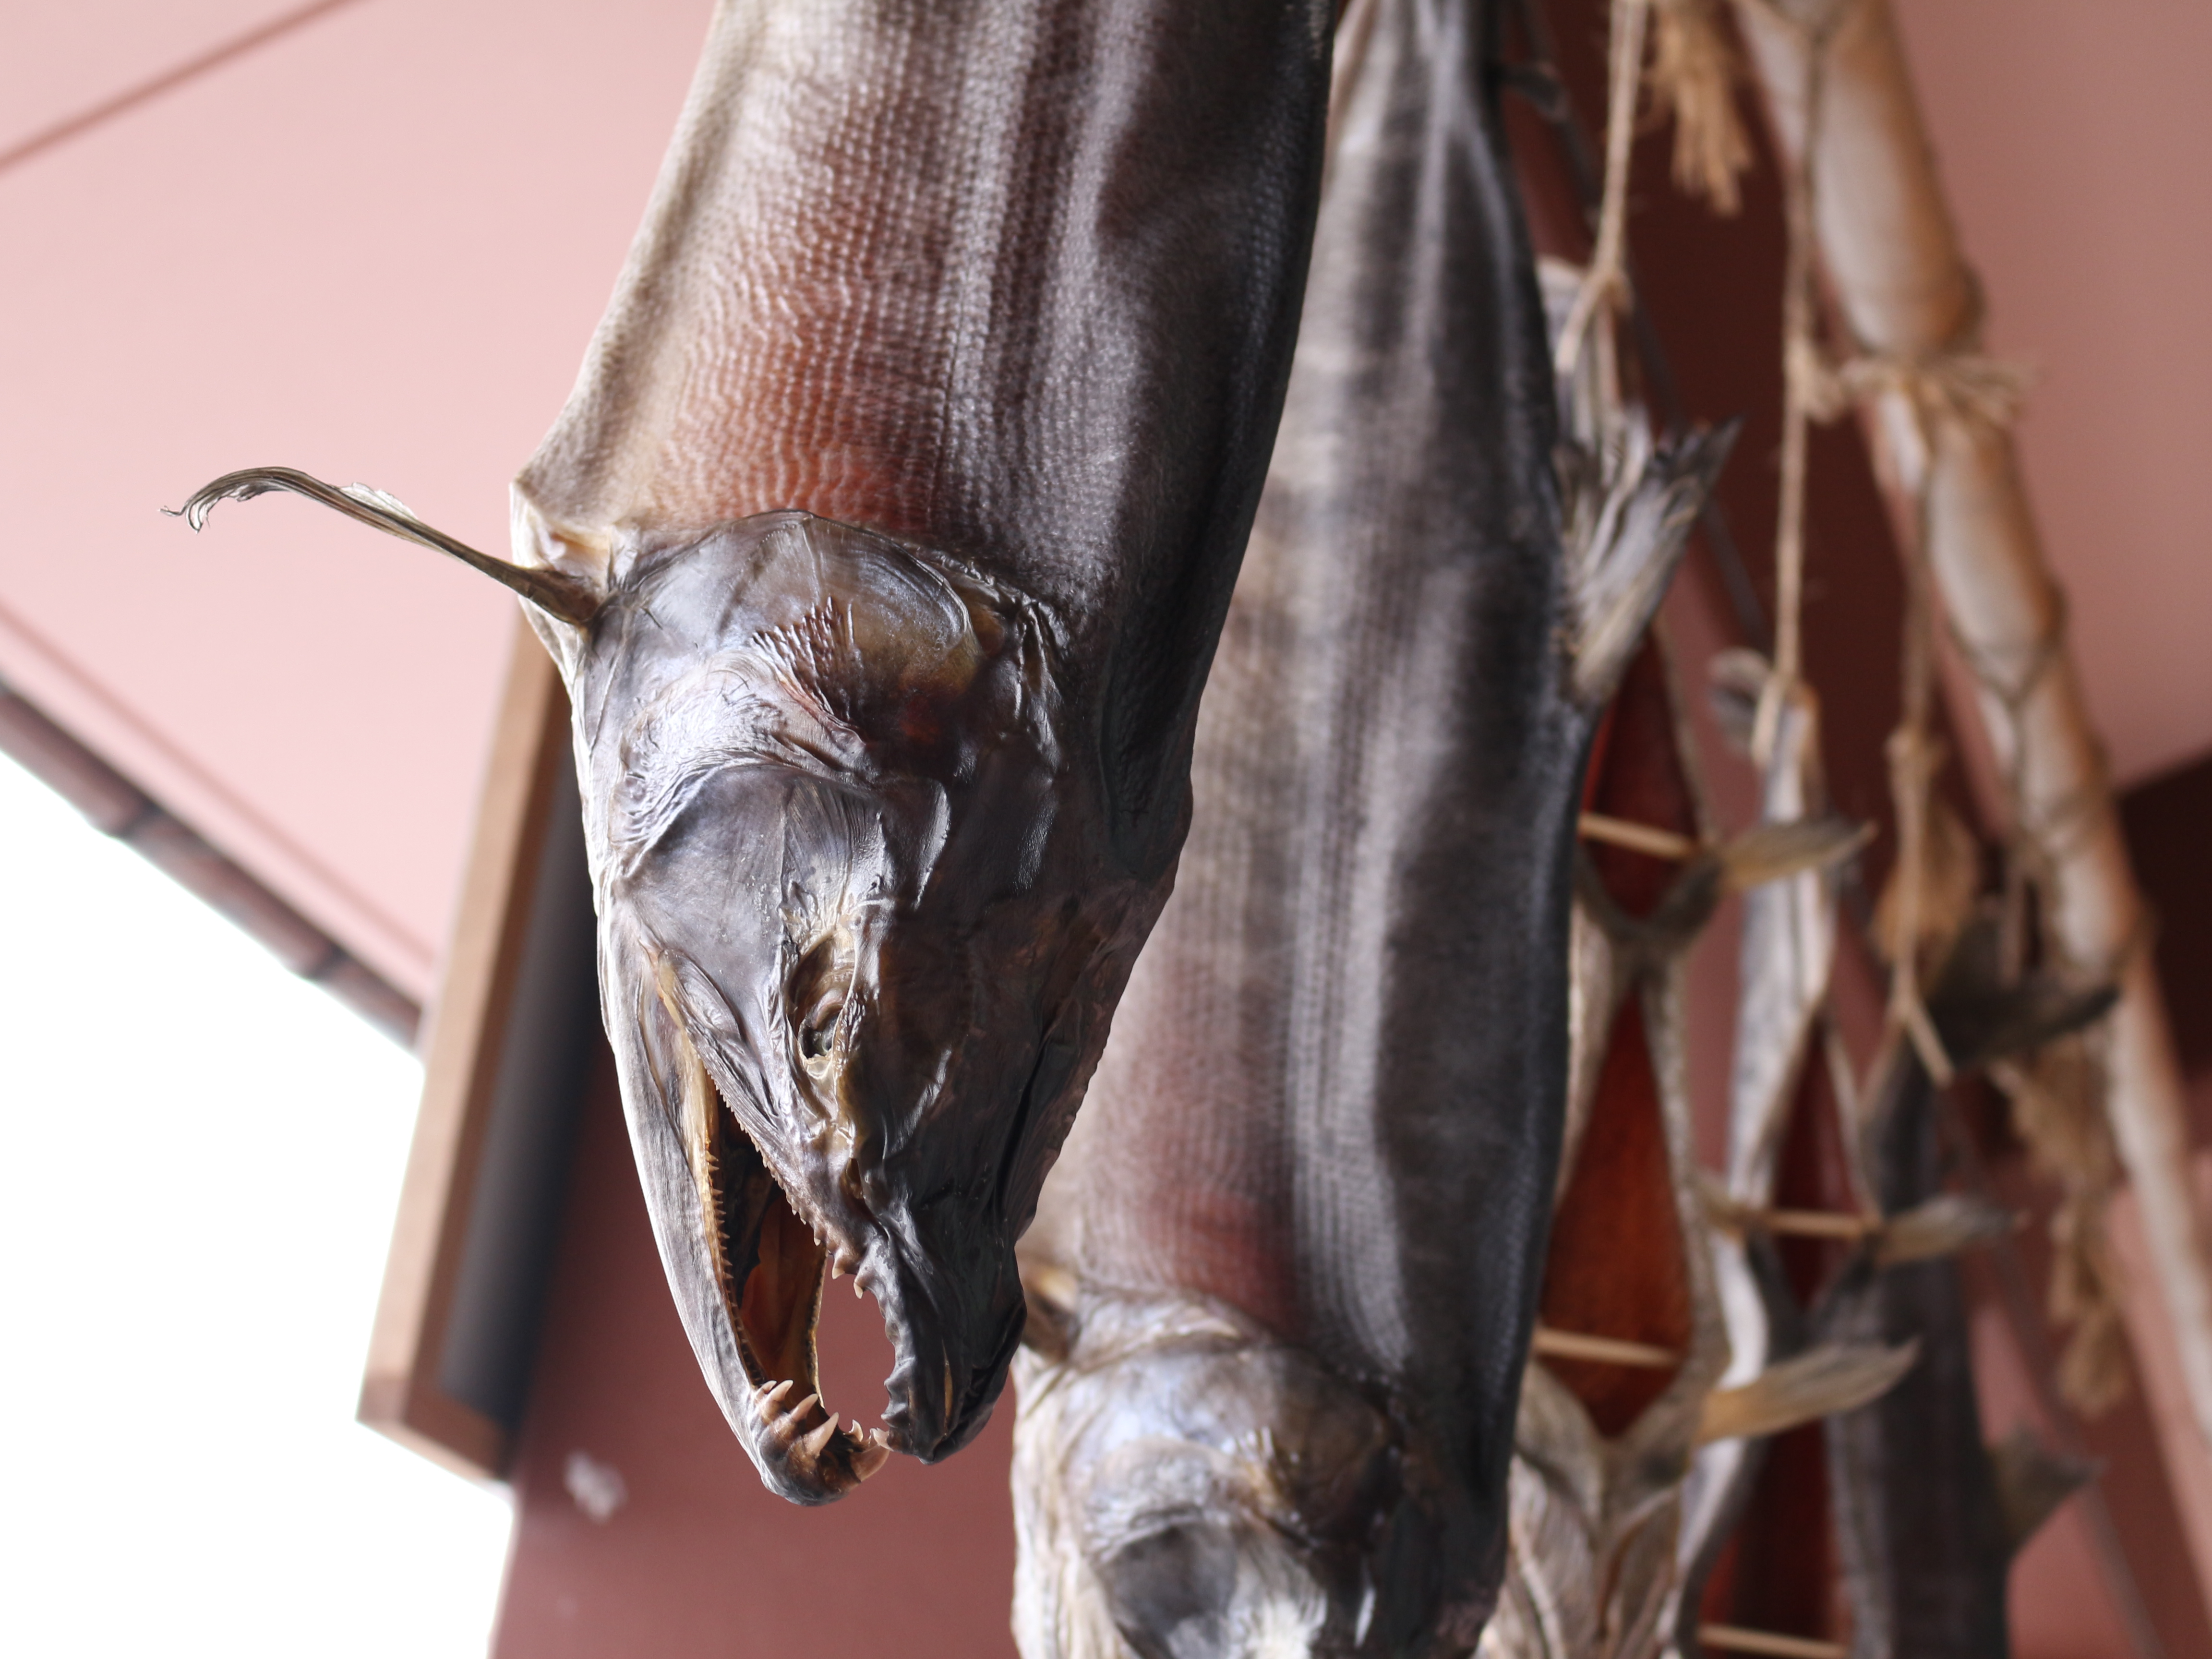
(1801, 382)
(1604, 282)
(1693, 76)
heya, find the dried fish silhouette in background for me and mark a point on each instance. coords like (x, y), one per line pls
(1785, 958)
(1631, 1341)
(1622, 1388)
(1923, 1534)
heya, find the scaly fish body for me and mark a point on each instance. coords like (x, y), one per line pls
(1312, 1182)
(916, 453)
(883, 544)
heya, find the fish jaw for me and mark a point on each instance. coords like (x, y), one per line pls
(862, 931)
(1186, 1484)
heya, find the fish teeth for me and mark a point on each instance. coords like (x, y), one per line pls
(818, 1442)
(872, 1456)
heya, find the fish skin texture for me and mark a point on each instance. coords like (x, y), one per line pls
(1314, 1173)
(912, 465)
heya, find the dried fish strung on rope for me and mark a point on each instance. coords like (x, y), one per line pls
(1285, 1270)
(1785, 957)
(1923, 1533)
(1926, 1518)
(1921, 1527)
(1621, 1389)
(1630, 1340)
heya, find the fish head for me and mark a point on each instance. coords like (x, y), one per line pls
(1185, 1487)
(865, 910)
(859, 938)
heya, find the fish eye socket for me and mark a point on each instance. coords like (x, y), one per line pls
(816, 1036)
(820, 985)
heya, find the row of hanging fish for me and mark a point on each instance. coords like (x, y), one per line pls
(1220, 1450)
(1672, 1348)
(883, 546)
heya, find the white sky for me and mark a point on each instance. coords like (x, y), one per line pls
(199, 1158)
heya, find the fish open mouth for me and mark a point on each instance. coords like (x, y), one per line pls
(771, 1263)
(750, 1243)
(768, 1263)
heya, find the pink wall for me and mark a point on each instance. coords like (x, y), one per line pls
(372, 247)
(2074, 139)
(701, 1562)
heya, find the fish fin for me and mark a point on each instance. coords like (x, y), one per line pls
(1552, 1557)
(1770, 852)
(1627, 500)
(1836, 1376)
(1943, 1225)
(1552, 1434)
(2032, 1481)
(552, 591)
(1629, 504)
(1982, 1018)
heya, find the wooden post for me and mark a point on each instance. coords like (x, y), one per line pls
(1897, 276)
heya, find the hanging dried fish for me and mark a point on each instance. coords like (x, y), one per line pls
(1923, 1526)
(1787, 953)
(1919, 1530)
(1621, 1392)
(883, 546)
(1924, 1533)
(1285, 1270)
(1631, 1341)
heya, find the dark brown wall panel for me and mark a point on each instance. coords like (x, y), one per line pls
(2168, 821)
(700, 1560)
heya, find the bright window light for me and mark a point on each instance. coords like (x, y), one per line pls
(200, 1157)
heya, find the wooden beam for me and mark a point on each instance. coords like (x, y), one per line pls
(1733, 1638)
(1600, 1350)
(488, 1160)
